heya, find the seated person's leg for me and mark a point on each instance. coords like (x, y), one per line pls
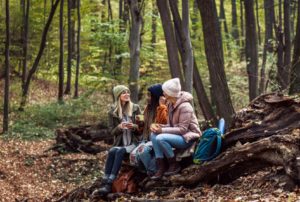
(157, 149)
(147, 158)
(159, 157)
(167, 141)
(119, 155)
(109, 162)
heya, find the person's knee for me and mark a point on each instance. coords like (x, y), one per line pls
(112, 150)
(144, 152)
(153, 136)
(160, 138)
(121, 151)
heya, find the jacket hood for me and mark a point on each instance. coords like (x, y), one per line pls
(183, 97)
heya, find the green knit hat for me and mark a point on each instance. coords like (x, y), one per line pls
(118, 90)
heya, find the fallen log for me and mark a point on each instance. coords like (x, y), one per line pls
(265, 116)
(277, 150)
(81, 139)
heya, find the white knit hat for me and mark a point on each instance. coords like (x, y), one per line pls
(172, 87)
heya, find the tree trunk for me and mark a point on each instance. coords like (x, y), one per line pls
(189, 59)
(184, 42)
(153, 33)
(287, 45)
(215, 60)
(295, 72)
(78, 49)
(222, 18)
(61, 54)
(251, 49)
(268, 48)
(39, 55)
(25, 42)
(203, 100)
(70, 51)
(293, 18)
(123, 15)
(280, 49)
(257, 22)
(234, 29)
(172, 50)
(135, 46)
(7, 70)
(242, 53)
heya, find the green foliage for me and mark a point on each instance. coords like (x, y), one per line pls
(40, 121)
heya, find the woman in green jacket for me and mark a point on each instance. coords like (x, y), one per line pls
(122, 125)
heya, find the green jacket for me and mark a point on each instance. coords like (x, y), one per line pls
(114, 121)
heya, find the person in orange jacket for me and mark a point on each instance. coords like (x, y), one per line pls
(155, 112)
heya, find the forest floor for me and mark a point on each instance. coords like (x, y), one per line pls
(31, 172)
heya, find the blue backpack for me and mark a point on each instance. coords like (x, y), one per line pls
(210, 144)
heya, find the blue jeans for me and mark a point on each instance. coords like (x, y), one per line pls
(163, 144)
(114, 161)
(146, 157)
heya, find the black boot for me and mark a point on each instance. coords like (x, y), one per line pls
(161, 169)
(174, 167)
(104, 190)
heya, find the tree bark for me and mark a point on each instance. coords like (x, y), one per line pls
(183, 42)
(268, 48)
(61, 54)
(280, 49)
(7, 69)
(257, 22)
(204, 103)
(78, 50)
(172, 50)
(287, 45)
(135, 46)
(251, 49)
(242, 53)
(215, 60)
(222, 18)
(234, 29)
(25, 41)
(295, 72)
(70, 49)
(39, 55)
(153, 33)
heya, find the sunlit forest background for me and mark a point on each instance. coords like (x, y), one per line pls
(97, 42)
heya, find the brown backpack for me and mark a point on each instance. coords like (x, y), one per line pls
(125, 182)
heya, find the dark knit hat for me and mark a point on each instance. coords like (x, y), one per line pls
(156, 91)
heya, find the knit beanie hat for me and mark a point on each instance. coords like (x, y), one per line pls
(172, 87)
(156, 91)
(118, 90)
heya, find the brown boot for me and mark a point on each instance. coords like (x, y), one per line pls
(161, 168)
(174, 167)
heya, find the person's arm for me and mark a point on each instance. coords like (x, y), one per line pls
(113, 126)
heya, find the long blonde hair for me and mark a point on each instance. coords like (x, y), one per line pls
(127, 109)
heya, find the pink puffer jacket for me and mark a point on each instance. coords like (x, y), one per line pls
(182, 119)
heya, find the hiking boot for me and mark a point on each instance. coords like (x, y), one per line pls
(174, 167)
(104, 190)
(161, 169)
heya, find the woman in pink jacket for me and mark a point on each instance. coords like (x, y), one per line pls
(180, 132)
